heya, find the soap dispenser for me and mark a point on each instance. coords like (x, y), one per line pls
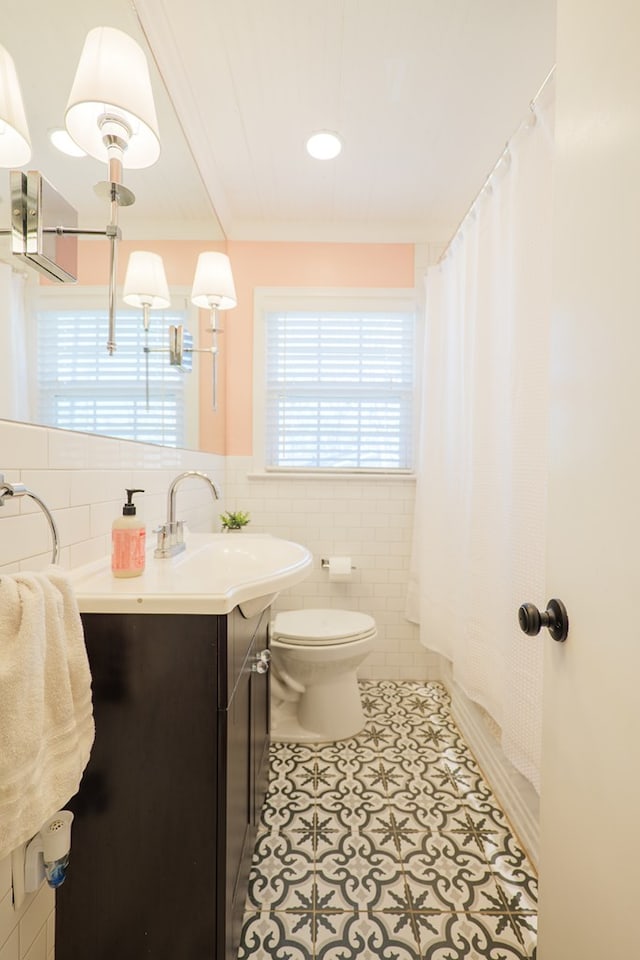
(128, 541)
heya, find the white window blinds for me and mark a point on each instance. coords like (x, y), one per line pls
(339, 390)
(81, 387)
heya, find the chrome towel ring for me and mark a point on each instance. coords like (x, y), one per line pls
(20, 490)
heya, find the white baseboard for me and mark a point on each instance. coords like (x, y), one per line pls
(515, 794)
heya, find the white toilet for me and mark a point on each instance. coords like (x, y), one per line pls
(314, 685)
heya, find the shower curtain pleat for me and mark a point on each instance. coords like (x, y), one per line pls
(479, 536)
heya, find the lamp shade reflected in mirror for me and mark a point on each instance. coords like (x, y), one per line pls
(145, 282)
(213, 285)
(15, 145)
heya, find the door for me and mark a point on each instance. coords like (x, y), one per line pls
(590, 800)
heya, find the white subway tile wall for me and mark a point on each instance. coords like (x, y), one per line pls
(82, 479)
(370, 519)
(27, 933)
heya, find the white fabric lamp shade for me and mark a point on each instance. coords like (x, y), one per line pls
(15, 145)
(113, 78)
(145, 281)
(213, 283)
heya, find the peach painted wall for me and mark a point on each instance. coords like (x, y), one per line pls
(179, 256)
(229, 428)
(293, 265)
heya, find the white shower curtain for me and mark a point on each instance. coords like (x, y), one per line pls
(479, 538)
(14, 393)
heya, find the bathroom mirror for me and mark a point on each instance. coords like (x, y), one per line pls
(171, 202)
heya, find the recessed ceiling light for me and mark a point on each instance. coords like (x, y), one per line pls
(324, 145)
(63, 142)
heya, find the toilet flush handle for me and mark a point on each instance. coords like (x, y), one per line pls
(555, 618)
(261, 663)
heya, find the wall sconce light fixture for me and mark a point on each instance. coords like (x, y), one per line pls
(145, 286)
(110, 115)
(213, 289)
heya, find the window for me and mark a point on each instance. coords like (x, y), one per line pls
(339, 387)
(82, 387)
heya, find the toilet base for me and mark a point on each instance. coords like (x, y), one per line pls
(285, 727)
(325, 712)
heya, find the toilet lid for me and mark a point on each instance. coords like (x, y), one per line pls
(322, 626)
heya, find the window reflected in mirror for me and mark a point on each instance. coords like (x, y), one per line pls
(134, 394)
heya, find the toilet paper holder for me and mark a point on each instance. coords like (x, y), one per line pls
(325, 564)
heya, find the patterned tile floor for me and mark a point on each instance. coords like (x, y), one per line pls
(388, 845)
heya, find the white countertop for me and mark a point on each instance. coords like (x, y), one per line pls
(215, 573)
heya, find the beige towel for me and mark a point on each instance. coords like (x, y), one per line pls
(46, 716)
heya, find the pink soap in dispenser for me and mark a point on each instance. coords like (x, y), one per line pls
(128, 541)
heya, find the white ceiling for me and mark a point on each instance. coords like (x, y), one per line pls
(425, 93)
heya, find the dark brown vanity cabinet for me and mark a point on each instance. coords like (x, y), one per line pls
(167, 810)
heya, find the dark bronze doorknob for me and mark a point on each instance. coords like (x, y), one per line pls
(555, 618)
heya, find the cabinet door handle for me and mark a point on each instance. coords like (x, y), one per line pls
(261, 664)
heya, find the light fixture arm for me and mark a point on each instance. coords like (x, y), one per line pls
(147, 351)
(115, 135)
(181, 343)
(67, 232)
(113, 272)
(113, 234)
(213, 303)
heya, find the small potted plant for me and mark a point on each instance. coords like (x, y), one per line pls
(234, 520)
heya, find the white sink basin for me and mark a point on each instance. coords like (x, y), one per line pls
(216, 573)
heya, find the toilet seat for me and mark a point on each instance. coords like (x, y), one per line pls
(318, 627)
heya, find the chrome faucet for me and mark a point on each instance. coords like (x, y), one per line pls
(171, 534)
